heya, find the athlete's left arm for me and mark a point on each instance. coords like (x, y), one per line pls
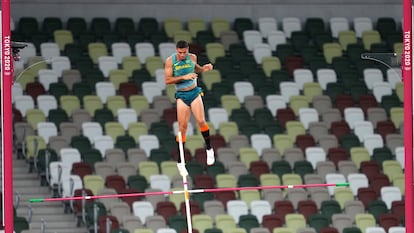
(197, 67)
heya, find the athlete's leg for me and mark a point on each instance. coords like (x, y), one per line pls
(183, 117)
(197, 107)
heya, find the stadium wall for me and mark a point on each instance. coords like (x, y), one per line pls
(206, 9)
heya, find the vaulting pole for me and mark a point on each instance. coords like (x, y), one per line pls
(7, 117)
(185, 186)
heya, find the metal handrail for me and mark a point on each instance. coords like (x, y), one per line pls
(108, 225)
(29, 213)
(42, 225)
(16, 200)
(95, 217)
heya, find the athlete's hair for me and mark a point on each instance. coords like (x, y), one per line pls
(181, 44)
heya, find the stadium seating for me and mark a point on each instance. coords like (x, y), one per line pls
(319, 118)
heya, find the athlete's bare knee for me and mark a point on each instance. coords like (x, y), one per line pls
(183, 128)
(202, 124)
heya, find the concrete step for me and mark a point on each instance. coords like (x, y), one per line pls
(20, 169)
(24, 180)
(24, 199)
(52, 213)
(33, 191)
(23, 169)
(38, 210)
(25, 202)
(72, 230)
(20, 162)
(23, 183)
(69, 218)
(23, 175)
(54, 218)
(56, 225)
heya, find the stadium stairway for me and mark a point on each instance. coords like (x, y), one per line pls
(51, 214)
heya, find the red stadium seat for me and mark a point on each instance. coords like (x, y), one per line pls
(337, 154)
(271, 221)
(284, 115)
(77, 205)
(200, 155)
(127, 89)
(35, 89)
(217, 141)
(170, 116)
(367, 101)
(292, 63)
(257, 168)
(328, 230)
(116, 182)
(194, 207)
(385, 127)
(114, 223)
(370, 168)
(339, 128)
(307, 208)
(225, 196)
(398, 208)
(365, 195)
(282, 208)
(203, 181)
(81, 169)
(130, 200)
(378, 181)
(388, 220)
(166, 209)
(305, 140)
(344, 101)
(187, 155)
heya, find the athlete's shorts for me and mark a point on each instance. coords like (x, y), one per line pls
(189, 96)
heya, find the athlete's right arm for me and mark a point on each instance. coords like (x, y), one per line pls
(170, 79)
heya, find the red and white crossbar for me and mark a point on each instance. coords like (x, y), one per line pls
(209, 190)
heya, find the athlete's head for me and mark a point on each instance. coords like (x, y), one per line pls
(182, 49)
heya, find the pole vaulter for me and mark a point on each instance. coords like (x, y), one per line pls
(7, 123)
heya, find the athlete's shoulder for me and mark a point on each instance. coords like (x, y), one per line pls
(168, 61)
(170, 58)
(193, 57)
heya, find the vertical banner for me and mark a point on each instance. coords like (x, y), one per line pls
(407, 73)
(6, 104)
